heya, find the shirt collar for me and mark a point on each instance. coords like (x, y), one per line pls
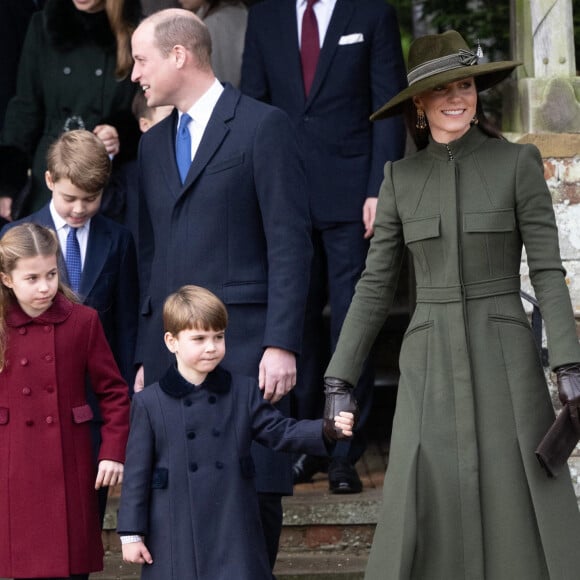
(60, 223)
(202, 109)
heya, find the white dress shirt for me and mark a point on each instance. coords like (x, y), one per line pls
(323, 10)
(62, 229)
(201, 112)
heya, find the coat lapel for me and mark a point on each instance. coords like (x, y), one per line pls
(98, 250)
(213, 136)
(341, 15)
(167, 159)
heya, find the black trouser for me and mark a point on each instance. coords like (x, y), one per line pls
(271, 515)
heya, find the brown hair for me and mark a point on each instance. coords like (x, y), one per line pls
(178, 27)
(193, 307)
(26, 240)
(139, 106)
(122, 30)
(80, 156)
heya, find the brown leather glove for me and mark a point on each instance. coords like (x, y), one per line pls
(568, 381)
(339, 398)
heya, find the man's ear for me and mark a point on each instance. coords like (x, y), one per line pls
(180, 55)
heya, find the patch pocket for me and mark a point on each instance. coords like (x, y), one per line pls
(4, 415)
(422, 229)
(160, 478)
(499, 220)
(82, 414)
(247, 467)
(226, 164)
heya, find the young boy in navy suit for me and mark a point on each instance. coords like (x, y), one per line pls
(189, 506)
(105, 278)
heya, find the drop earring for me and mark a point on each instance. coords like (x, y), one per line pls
(421, 120)
(475, 120)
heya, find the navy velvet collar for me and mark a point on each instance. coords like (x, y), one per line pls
(174, 385)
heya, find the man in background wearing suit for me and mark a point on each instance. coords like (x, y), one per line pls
(329, 64)
(223, 205)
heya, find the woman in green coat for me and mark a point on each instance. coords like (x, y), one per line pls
(464, 495)
(73, 74)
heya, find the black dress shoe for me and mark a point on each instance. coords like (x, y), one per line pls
(343, 477)
(306, 466)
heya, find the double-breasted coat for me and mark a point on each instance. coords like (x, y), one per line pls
(66, 80)
(189, 483)
(49, 524)
(464, 496)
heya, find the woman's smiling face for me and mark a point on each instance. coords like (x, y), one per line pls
(449, 109)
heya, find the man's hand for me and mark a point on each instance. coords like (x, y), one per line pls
(369, 214)
(277, 373)
(109, 473)
(136, 553)
(139, 383)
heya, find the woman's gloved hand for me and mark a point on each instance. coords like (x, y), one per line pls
(568, 381)
(338, 397)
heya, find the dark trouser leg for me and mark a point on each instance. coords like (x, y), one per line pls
(270, 505)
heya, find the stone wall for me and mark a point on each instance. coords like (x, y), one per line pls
(561, 154)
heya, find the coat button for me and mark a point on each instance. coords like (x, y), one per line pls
(47, 357)
(187, 402)
(26, 391)
(22, 331)
(212, 399)
(215, 432)
(49, 420)
(219, 465)
(66, 70)
(29, 422)
(99, 72)
(47, 329)
(23, 362)
(193, 467)
(50, 389)
(191, 435)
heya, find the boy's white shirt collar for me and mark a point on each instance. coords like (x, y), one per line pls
(62, 228)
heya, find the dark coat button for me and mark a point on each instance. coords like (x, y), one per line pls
(191, 435)
(219, 464)
(215, 432)
(187, 402)
(212, 399)
(193, 467)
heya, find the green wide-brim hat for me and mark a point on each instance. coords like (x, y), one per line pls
(439, 59)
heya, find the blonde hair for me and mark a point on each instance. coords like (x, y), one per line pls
(193, 307)
(80, 156)
(172, 27)
(27, 240)
(122, 30)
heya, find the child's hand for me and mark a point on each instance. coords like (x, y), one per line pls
(344, 422)
(109, 473)
(136, 553)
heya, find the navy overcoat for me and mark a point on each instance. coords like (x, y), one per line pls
(189, 483)
(238, 226)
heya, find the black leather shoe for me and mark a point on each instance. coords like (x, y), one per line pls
(306, 466)
(343, 477)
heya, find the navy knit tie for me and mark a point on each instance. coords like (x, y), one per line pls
(183, 146)
(73, 259)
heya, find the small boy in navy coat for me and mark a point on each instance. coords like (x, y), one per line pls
(189, 506)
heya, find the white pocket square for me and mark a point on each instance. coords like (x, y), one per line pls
(351, 38)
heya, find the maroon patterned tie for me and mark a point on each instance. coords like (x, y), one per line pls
(310, 49)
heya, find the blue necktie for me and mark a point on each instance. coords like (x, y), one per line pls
(183, 146)
(73, 259)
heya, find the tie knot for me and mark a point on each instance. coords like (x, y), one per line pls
(184, 122)
(72, 232)
(310, 4)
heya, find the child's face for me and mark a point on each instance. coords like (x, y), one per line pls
(72, 204)
(156, 114)
(198, 352)
(34, 282)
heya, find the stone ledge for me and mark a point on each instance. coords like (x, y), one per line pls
(559, 145)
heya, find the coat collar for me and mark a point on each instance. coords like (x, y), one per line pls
(58, 312)
(173, 384)
(459, 148)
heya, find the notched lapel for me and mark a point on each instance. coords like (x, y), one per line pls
(167, 159)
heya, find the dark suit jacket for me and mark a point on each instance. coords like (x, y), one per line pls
(239, 226)
(360, 68)
(109, 283)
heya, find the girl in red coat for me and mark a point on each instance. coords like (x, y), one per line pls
(49, 346)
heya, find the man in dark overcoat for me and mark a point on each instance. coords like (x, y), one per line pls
(237, 223)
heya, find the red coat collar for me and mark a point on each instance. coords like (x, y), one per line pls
(60, 309)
